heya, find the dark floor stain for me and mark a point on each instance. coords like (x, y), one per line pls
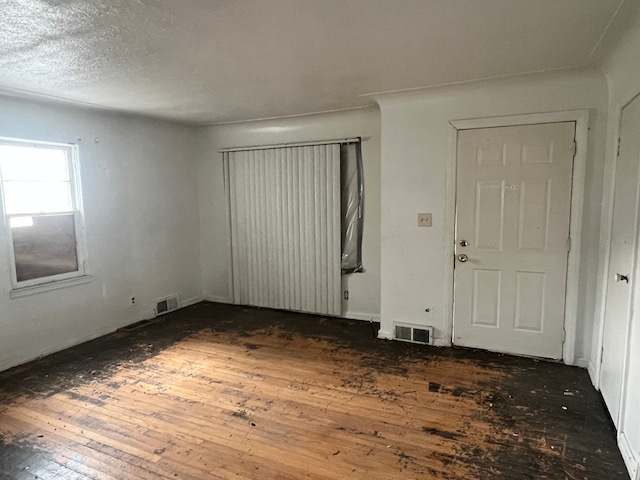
(440, 433)
(22, 455)
(540, 386)
(354, 431)
(457, 392)
(530, 398)
(84, 398)
(404, 456)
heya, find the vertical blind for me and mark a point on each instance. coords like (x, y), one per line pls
(284, 206)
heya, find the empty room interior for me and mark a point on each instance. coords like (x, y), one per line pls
(319, 239)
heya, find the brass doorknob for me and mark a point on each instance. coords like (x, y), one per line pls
(463, 243)
(462, 258)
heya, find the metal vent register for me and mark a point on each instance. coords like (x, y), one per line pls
(167, 304)
(414, 334)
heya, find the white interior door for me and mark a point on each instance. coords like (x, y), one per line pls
(513, 207)
(623, 247)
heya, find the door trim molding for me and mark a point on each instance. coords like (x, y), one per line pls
(606, 227)
(629, 458)
(611, 165)
(581, 119)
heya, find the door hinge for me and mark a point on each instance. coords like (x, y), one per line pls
(564, 335)
(569, 244)
(619, 140)
(575, 148)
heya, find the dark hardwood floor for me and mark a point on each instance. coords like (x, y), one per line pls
(220, 392)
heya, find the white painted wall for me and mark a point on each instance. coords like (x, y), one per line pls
(619, 56)
(415, 148)
(364, 288)
(140, 204)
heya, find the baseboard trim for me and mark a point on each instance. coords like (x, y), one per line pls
(191, 301)
(148, 315)
(441, 342)
(7, 364)
(593, 375)
(368, 317)
(582, 363)
(384, 335)
(627, 455)
(217, 299)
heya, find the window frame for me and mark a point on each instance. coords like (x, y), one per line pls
(34, 285)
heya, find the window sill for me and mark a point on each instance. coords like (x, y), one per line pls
(47, 287)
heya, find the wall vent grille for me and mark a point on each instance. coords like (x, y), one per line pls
(403, 333)
(408, 333)
(167, 304)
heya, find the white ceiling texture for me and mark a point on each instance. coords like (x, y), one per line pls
(212, 61)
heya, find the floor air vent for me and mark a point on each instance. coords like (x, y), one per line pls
(414, 334)
(168, 304)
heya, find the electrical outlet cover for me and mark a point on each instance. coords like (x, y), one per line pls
(424, 219)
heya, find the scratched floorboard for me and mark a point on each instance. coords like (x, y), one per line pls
(221, 392)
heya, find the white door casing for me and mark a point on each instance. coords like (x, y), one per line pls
(621, 260)
(513, 207)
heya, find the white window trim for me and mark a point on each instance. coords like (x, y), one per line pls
(47, 287)
(53, 282)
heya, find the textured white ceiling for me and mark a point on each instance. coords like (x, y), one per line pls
(208, 61)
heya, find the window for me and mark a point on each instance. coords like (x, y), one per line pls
(42, 207)
(351, 184)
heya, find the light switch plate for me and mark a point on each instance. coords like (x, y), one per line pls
(424, 219)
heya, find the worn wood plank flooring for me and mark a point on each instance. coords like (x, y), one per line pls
(222, 392)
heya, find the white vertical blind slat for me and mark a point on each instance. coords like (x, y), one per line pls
(297, 231)
(325, 246)
(276, 212)
(259, 237)
(253, 261)
(285, 227)
(246, 218)
(306, 211)
(319, 210)
(288, 240)
(335, 271)
(232, 215)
